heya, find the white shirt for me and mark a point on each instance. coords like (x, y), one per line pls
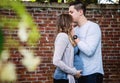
(90, 47)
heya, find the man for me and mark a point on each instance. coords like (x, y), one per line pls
(87, 36)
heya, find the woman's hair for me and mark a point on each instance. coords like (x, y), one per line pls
(64, 24)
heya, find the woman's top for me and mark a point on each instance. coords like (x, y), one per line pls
(78, 64)
(63, 58)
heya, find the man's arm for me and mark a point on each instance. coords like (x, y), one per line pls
(89, 45)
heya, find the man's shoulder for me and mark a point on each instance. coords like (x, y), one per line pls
(93, 23)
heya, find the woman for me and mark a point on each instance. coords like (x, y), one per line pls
(64, 52)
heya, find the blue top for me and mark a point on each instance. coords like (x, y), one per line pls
(90, 48)
(78, 64)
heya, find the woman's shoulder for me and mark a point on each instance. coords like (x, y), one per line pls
(63, 35)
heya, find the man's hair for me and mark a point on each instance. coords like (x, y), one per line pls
(78, 5)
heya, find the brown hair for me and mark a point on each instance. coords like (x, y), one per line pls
(64, 24)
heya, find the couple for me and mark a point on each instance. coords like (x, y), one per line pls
(77, 54)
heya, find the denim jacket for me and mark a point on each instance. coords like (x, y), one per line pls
(59, 74)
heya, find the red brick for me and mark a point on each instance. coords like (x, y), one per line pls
(45, 18)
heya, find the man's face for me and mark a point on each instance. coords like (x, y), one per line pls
(74, 13)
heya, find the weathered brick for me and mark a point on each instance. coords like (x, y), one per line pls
(45, 18)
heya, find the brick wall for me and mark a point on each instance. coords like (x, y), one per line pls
(108, 17)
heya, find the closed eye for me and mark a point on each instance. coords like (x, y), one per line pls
(70, 12)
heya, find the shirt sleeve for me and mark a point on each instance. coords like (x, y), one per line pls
(60, 46)
(90, 43)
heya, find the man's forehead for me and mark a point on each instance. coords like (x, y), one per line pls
(71, 8)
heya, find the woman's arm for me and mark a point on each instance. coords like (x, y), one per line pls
(60, 46)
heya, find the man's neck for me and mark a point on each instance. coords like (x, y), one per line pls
(82, 21)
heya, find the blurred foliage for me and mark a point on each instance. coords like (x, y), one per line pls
(67, 1)
(1, 40)
(24, 20)
(22, 33)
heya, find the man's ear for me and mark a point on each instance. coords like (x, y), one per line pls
(81, 12)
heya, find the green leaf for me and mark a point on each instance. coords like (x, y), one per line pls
(59, 1)
(1, 40)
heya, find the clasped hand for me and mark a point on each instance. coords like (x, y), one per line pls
(78, 74)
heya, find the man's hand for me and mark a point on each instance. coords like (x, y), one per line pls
(77, 40)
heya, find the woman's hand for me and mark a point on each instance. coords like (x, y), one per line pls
(78, 74)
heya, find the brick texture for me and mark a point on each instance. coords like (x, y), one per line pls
(107, 16)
